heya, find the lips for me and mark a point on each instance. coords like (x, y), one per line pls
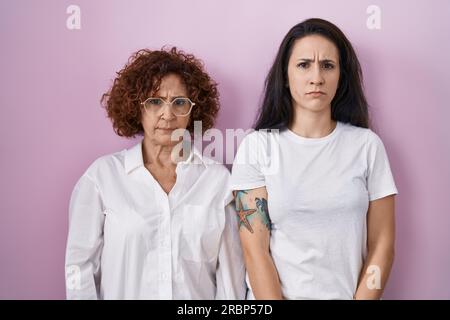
(316, 92)
(166, 129)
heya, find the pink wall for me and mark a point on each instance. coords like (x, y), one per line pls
(52, 126)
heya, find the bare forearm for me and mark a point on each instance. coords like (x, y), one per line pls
(263, 276)
(374, 274)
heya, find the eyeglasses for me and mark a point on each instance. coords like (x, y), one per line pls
(180, 107)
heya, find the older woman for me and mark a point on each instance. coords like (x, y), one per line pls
(145, 224)
(316, 200)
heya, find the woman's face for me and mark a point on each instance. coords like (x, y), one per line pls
(313, 73)
(159, 125)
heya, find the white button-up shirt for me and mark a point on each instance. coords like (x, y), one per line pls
(128, 239)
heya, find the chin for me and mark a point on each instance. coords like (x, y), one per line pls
(165, 140)
(316, 108)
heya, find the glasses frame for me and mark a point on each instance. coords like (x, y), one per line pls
(170, 104)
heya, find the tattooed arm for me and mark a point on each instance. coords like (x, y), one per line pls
(254, 232)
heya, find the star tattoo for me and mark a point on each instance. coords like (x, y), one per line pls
(243, 214)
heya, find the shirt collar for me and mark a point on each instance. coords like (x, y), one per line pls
(134, 158)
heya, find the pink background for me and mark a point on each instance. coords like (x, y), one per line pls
(52, 126)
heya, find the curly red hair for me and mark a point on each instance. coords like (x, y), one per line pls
(142, 75)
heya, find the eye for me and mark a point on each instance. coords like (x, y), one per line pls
(154, 101)
(180, 102)
(303, 65)
(328, 65)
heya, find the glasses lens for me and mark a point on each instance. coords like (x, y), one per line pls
(153, 104)
(181, 106)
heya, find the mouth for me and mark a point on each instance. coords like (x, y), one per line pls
(315, 93)
(166, 130)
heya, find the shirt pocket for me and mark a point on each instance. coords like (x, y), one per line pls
(201, 233)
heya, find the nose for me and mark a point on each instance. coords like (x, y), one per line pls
(316, 77)
(166, 112)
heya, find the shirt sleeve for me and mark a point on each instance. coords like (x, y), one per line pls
(85, 241)
(247, 172)
(230, 274)
(379, 178)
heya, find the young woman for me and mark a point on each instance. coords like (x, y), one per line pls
(316, 201)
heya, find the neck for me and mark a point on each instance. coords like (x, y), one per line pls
(154, 153)
(312, 124)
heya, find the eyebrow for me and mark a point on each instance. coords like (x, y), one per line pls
(171, 98)
(312, 60)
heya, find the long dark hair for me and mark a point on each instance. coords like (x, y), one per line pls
(349, 105)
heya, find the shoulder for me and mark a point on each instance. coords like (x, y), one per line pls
(216, 168)
(258, 140)
(261, 136)
(365, 140)
(106, 165)
(356, 134)
(349, 129)
(216, 179)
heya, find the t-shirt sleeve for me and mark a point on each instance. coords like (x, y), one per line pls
(247, 172)
(380, 181)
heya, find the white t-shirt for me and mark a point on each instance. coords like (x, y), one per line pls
(318, 196)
